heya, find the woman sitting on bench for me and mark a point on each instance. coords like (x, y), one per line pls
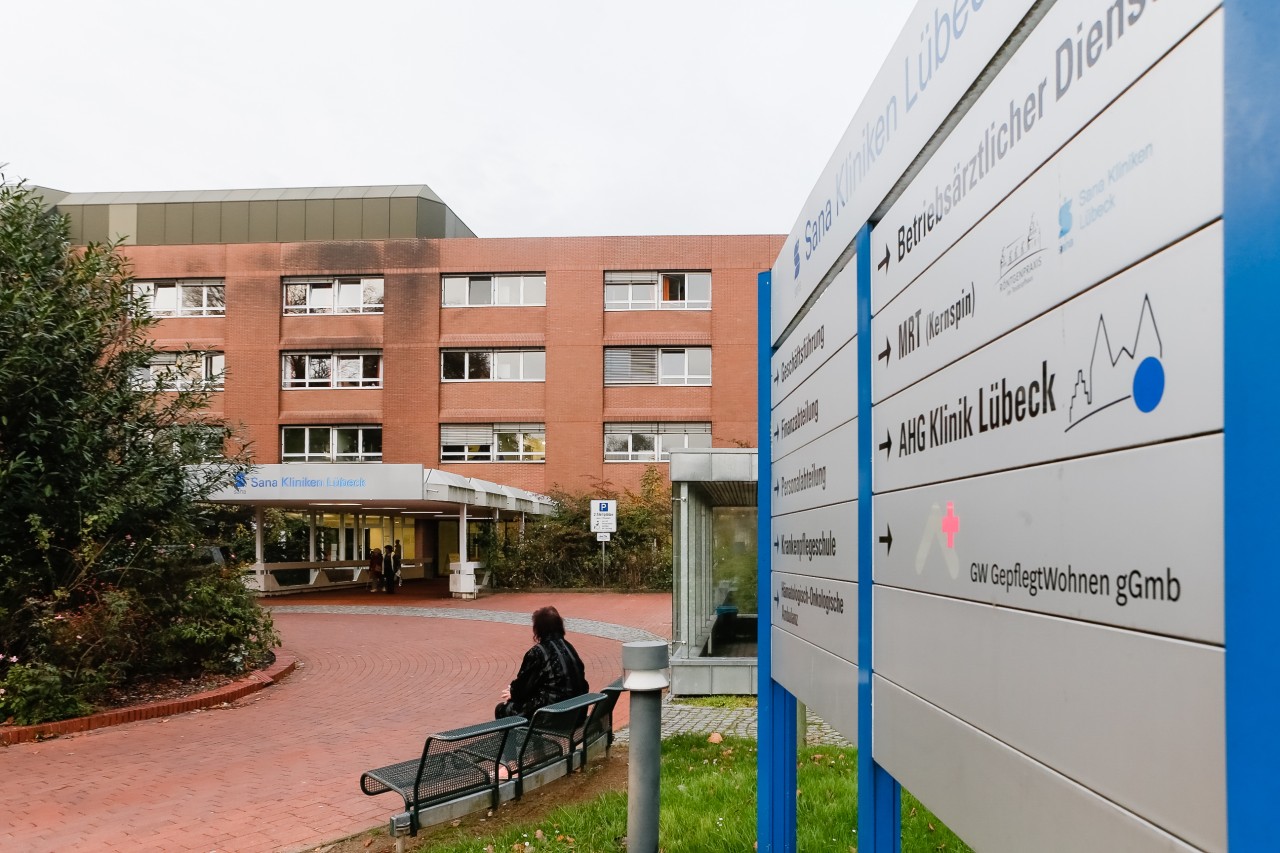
(551, 671)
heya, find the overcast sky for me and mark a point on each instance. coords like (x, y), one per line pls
(527, 118)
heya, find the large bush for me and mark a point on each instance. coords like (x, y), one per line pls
(559, 550)
(100, 490)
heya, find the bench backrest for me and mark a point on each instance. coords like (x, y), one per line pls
(600, 723)
(552, 735)
(462, 760)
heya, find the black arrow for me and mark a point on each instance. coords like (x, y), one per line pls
(775, 432)
(887, 539)
(775, 598)
(887, 444)
(775, 488)
(775, 378)
(884, 265)
(775, 543)
(885, 353)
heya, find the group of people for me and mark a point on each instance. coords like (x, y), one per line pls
(384, 568)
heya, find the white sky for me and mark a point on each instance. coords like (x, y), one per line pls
(528, 119)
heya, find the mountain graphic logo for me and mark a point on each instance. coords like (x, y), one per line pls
(1130, 372)
(795, 256)
(1064, 218)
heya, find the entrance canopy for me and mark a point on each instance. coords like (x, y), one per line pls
(361, 488)
(353, 507)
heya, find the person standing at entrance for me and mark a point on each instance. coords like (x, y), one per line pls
(375, 569)
(389, 575)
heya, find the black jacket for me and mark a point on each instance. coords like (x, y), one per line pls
(551, 672)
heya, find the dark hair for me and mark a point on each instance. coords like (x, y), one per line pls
(547, 624)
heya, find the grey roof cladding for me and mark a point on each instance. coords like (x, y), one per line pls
(281, 214)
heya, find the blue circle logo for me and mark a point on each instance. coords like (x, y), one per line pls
(1148, 384)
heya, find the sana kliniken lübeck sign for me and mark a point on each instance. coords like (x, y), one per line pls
(1136, 360)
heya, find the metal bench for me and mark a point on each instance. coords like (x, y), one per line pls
(554, 734)
(454, 764)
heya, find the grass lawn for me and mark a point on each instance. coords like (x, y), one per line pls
(708, 806)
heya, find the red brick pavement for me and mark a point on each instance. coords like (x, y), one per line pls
(279, 770)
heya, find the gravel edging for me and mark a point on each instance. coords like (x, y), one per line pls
(285, 663)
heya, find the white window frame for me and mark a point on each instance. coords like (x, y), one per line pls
(364, 434)
(333, 295)
(648, 366)
(178, 291)
(185, 371)
(651, 291)
(461, 443)
(531, 289)
(330, 376)
(527, 362)
(662, 438)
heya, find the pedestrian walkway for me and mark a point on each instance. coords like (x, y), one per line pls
(279, 770)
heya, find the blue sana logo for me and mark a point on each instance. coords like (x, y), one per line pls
(239, 480)
(1064, 218)
(795, 256)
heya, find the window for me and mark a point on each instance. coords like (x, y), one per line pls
(504, 365)
(459, 291)
(652, 442)
(202, 442)
(331, 444)
(183, 298)
(657, 366)
(184, 371)
(493, 443)
(331, 370)
(648, 291)
(341, 295)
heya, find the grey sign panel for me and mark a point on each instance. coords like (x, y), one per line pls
(826, 683)
(820, 611)
(921, 80)
(994, 797)
(1041, 98)
(823, 402)
(1137, 718)
(823, 472)
(822, 331)
(1138, 178)
(820, 543)
(1136, 360)
(1095, 538)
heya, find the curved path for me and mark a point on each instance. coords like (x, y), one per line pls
(279, 770)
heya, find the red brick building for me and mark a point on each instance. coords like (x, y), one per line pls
(369, 325)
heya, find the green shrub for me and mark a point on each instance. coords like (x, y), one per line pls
(36, 693)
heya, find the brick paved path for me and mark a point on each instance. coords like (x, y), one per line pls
(279, 770)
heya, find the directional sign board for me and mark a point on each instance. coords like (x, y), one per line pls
(604, 516)
(1047, 421)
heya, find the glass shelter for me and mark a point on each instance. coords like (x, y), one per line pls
(714, 608)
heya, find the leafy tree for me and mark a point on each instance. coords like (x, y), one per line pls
(99, 489)
(559, 550)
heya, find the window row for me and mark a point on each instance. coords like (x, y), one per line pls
(363, 368)
(623, 291)
(499, 442)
